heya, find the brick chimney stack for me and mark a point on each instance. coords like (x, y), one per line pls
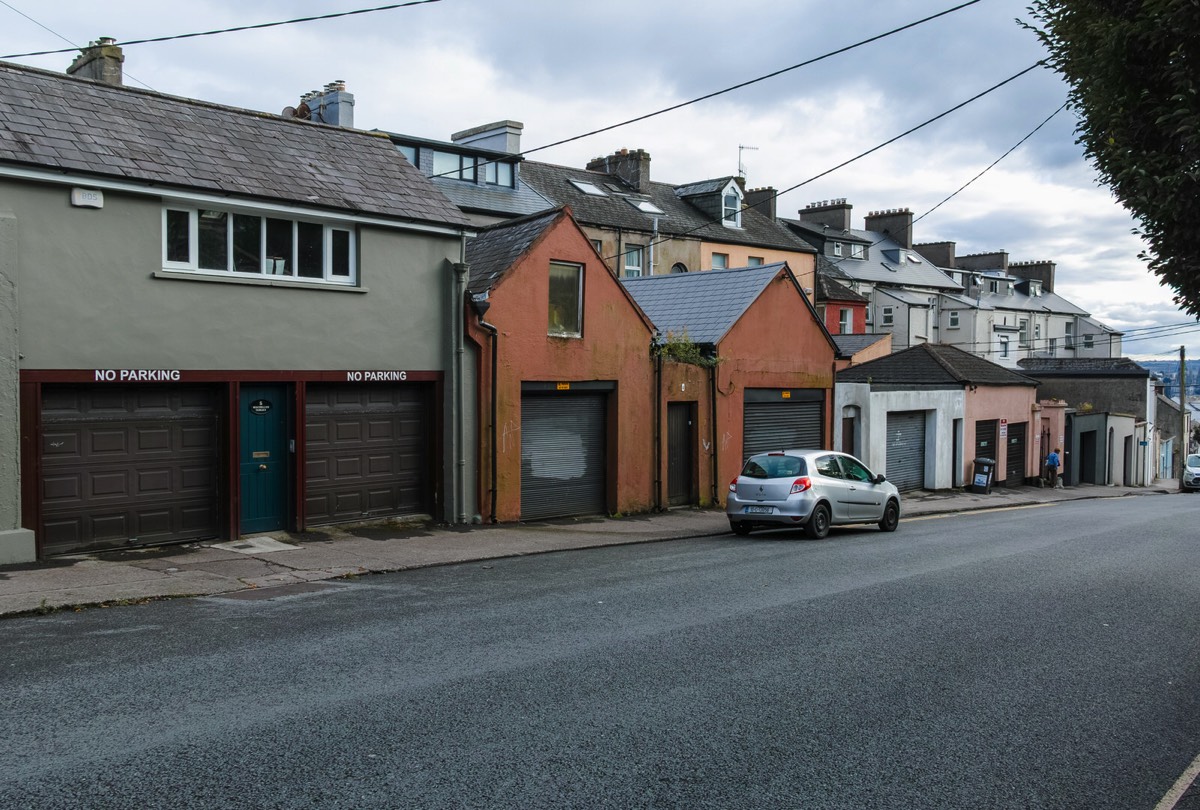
(938, 253)
(632, 167)
(997, 260)
(1042, 271)
(895, 222)
(830, 213)
(762, 200)
(100, 61)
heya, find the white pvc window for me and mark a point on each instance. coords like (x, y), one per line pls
(216, 242)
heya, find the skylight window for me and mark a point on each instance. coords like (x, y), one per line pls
(645, 206)
(591, 189)
(914, 258)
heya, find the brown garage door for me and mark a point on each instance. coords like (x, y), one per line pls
(367, 452)
(127, 465)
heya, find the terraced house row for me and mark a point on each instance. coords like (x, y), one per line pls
(216, 322)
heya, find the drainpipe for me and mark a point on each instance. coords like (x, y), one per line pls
(658, 416)
(712, 396)
(457, 395)
(481, 306)
(650, 249)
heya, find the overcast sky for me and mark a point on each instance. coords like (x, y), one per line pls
(564, 67)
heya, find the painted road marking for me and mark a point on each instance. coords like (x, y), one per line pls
(1180, 787)
(985, 511)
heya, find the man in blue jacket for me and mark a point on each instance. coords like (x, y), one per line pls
(1052, 468)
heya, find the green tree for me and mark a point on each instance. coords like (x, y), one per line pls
(1133, 67)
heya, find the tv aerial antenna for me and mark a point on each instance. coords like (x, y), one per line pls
(742, 166)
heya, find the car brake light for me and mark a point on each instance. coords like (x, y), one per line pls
(801, 484)
(733, 484)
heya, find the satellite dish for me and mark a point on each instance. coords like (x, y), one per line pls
(288, 112)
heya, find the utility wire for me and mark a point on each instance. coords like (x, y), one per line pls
(861, 155)
(749, 82)
(75, 47)
(334, 15)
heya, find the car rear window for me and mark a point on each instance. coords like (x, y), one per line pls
(1193, 460)
(771, 466)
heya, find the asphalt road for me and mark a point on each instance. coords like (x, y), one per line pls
(1032, 658)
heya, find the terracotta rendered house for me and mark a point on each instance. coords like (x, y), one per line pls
(732, 382)
(565, 382)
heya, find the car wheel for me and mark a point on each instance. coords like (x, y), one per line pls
(740, 527)
(817, 527)
(891, 517)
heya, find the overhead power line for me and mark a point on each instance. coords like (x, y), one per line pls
(256, 26)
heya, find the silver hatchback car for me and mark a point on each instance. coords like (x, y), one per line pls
(814, 489)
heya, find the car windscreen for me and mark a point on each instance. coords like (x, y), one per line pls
(774, 466)
(1193, 460)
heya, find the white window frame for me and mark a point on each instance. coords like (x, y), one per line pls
(887, 316)
(953, 319)
(835, 248)
(858, 251)
(1089, 341)
(192, 265)
(1069, 340)
(845, 321)
(635, 269)
(731, 215)
(1023, 332)
(1004, 345)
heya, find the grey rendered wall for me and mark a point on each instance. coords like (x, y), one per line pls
(90, 300)
(16, 544)
(1104, 394)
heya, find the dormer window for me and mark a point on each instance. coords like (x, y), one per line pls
(858, 251)
(731, 207)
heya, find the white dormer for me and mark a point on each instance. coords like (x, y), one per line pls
(731, 205)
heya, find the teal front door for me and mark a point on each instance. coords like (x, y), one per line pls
(263, 415)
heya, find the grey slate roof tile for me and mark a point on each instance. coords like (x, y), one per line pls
(59, 122)
(933, 364)
(1082, 367)
(496, 249)
(703, 305)
(681, 218)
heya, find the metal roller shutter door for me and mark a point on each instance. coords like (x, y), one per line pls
(906, 449)
(367, 451)
(127, 465)
(1015, 458)
(563, 456)
(768, 426)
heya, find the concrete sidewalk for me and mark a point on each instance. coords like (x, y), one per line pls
(283, 559)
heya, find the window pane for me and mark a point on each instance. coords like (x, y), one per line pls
(564, 299)
(409, 152)
(489, 172)
(633, 261)
(178, 249)
(504, 174)
(247, 244)
(468, 168)
(310, 250)
(720, 261)
(213, 227)
(340, 260)
(279, 247)
(445, 164)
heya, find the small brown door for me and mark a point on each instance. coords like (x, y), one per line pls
(681, 442)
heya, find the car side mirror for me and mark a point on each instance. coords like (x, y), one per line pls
(879, 479)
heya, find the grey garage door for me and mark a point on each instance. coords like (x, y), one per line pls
(906, 449)
(367, 451)
(779, 423)
(127, 465)
(563, 455)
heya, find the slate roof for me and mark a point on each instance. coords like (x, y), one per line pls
(497, 248)
(84, 127)
(704, 305)
(680, 218)
(849, 345)
(1082, 367)
(933, 364)
(830, 290)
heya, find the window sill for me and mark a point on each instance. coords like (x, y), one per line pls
(264, 281)
(564, 335)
